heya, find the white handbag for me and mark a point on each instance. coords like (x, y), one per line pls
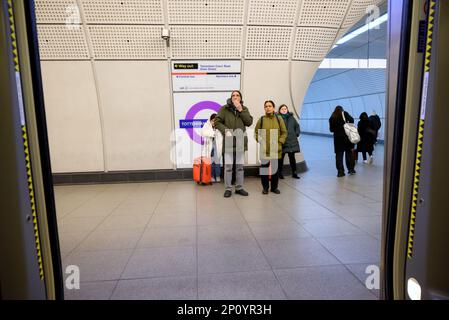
(351, 131)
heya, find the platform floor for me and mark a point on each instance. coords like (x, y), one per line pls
(178, 240)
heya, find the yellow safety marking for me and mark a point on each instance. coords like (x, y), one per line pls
(26, 148)
(420, 139)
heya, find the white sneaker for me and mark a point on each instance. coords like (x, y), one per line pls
(370, 160)
(218, 179)
(365, 161)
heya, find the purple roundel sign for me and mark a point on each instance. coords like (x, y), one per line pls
(190, 123)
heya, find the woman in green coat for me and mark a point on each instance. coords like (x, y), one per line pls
(270, 127)
(291, 145)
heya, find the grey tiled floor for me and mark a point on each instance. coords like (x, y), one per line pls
(182, 241)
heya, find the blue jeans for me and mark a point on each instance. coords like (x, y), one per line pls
(216, 170)
(216, 167)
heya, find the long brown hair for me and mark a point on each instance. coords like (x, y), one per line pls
(337, 112)
(240, 94)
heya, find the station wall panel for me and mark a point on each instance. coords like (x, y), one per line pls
(137, 114)
(73, 119)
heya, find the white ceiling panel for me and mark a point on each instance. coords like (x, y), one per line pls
(268, 42)
(206, 12)
(357, 10)
(312, 44)
(269, 12)
(206, 42)
(57, 11)
(323, 13)
(127, 42)
(60, 42)
(123, 11)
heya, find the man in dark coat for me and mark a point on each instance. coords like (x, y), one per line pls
(342, 145)
(231, 121)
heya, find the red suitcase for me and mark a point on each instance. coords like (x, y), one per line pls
(202, 170)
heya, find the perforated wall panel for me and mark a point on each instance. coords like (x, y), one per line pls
(269, 12)
(312, 44)
(268, 42)
(205, 11)
(127, 42)
(323, 13)
(57, 11)
(206, 42)
(58, 42)
(123, 11)
(358, 10)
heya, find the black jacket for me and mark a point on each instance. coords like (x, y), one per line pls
(341, 140)
(367, 136)
(291, 144)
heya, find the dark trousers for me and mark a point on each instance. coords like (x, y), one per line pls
(364, 154)
(292, 160)
(350, 162)
(274, 174)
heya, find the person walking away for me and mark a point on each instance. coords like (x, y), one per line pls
(270, 126)
(231, 121)
(376, 124)
(291, 145)
(342, 144)
(213, 146)
(367, 138)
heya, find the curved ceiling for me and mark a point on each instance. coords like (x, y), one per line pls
(114, 50)
(199, 29)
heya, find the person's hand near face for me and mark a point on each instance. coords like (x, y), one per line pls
(236, 100)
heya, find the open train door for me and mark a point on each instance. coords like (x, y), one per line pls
(415, 247)
(30, 265)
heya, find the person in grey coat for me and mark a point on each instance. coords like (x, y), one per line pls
(291, 145)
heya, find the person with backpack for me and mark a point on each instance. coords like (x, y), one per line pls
(375, 124)
(271, 133)
(342, 145)
(367, 138)
(231, 121)
(291, 145)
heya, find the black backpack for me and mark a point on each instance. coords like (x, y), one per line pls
(375, 122)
